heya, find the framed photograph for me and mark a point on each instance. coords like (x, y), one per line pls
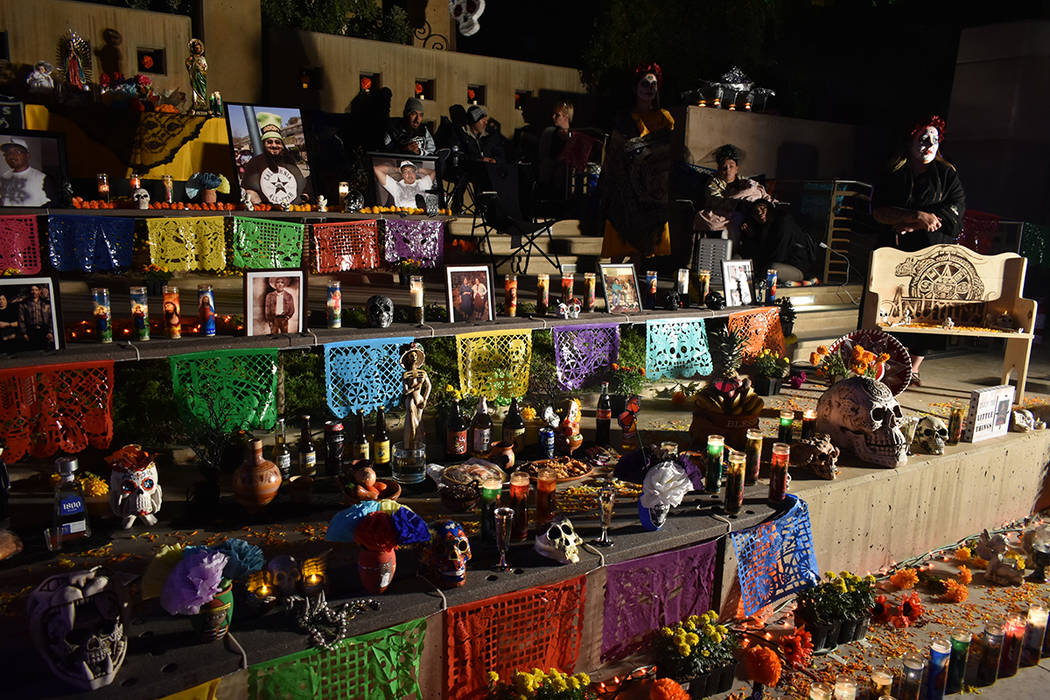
(33, 169)
(29, 314)
(469, 293)
(274, 302)
(400, 178)
(989, 413)
(269, 153)
(620, 285)
(737, 282)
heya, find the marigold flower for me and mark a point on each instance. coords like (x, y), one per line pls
(955, 592)
(822, 350)
(963, 554)
(763, 665)
(904, 579)
(615, 366)
(884, 357)
(667, 689)
(882, 612)
(911, 606)
(965, 575)
(979, 563)
(814, 358)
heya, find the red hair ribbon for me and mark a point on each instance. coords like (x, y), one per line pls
(934, 121)
(653, 68)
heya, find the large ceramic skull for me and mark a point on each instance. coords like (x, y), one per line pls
(559, 542)
(863, 419)
(76, 622)
(141, 198)
(445, 560)
(284, 572)
(135, 493)
(930, 434)
(466, 14)
(380, 311)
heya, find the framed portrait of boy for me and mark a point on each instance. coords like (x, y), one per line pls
(29, 319)
(620, 286)
(469, 293)
(737, 282)
(33, 168)
(274, 302)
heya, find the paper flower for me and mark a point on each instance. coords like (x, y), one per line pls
(376, 532)
(411, 529)
(341, 527)
(763, 665)
(197, 579)
(159, 569)
(244, 558)
(883, 611)
(911, 606)
(666, 484)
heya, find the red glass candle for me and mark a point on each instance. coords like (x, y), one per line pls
(546, 485)
(519, 502)
(778, 473)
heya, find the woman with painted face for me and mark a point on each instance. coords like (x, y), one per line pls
(634, 183)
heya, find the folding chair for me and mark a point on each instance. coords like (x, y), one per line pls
(500, 213)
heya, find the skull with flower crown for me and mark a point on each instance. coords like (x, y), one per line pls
(134, 488)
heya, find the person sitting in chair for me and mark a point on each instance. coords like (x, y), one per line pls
(408, 134)
(728, 195)
(413, 181)
(475, 141)
(774, 241)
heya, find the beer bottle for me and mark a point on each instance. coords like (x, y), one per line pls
(514, 427)
(282, 455)
(359, 448)
(455, 434)
(307, 453)
(381, 442)
(481, 430)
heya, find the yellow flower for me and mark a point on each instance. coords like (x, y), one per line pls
(963, 554)
(695, 619)
(684, 649)
(705, 652)
(692, 638)
(584, 679)
(574, 683)
(721, 629)
(690, 625)
(528, 413)
(717, 639)
(709, 630)
(666, 632)
(493, 677)
(560, 685)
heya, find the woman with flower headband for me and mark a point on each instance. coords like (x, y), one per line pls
(634, 182)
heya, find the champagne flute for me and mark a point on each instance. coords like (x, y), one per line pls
(607, 499)
(504, 525)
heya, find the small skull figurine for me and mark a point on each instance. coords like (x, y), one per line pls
(466, 14)
(77, 623)
(134, 488)
(1023, 421)
(931, 434)
(445, 560)
(563, 310)
(322, 203)
(818, 454)
(380, 311)
(560, 541)
(284, 572)
(141, 198)
(673, 300)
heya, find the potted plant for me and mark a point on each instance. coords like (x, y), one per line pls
(699, 651)
(860, 594)
(822, 608)
(545, 685)
(727, 404)
(406, 268)
(787, 315)
(771, 369)
(624, 382)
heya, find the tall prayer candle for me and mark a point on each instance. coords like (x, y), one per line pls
(172, 312)
(735, 482)
(344, 190)
(809, 423)
(103, 314)
(713, 480)
(543, 283)
(753, 455)
(787, 420)
(140, 312)
(590, 282)
(568, 280)
(820, 691)
(206, 310)
(135, 181)
(778, 473)
(519, 501)
(1013, 636)
(992, 648)
(333, 308)
(650, 288)
(957, 664)
(546, 486)
(683, 283)
(103, 186)
(937, 678)
(169, 188)
(881, 682)
(703, 284)
(490, 489)
(845, 688)
(911, 684)
(1034, 635)
(510, 295)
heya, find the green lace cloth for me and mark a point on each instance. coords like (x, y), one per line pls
(226, 389)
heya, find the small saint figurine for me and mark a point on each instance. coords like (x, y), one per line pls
(40, 79)
(569, 438)
(416, 393)
(197, 67)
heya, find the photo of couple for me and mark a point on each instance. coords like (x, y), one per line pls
(470, 294)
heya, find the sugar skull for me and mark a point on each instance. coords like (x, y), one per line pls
(931, 434)
(864, 419)
(715, 301)
(134, 489)
(445, 560)
(77, 623)
(466, 14)
(380, 311)
(559, 542)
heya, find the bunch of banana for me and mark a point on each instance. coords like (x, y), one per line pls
(733, 399)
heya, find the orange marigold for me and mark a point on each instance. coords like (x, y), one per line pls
(667, 689)
(979, 563)
(815, 358)
(904, 579)
(965, 575)
(955, 592)
(962, 554)
(763, 665)
(822, 350)
(884, 357)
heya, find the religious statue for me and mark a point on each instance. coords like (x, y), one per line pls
(39, 79)
(197, 67)
(74, 60)
(415, 394)
(569, 438)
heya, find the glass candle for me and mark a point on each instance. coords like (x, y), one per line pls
(206, 310)
(820, 691)
(778, 472)
(102, 314)
(546, 486)
(683, 283)
(1013, 637)
(955, 425)
(991, 653)
(415, 294)
(911, 684)
(771, 286)
(543, 283)
(172, 312)
(510, 295)
(490, 489)
(568, 280)
(344, 190)
(957, 664)
(650, 288)
(715, 446)
(881, 682)
(845, 688)
(787, 420)
(703, 284)
(312, 584)
(169, 188)
(809, 423)
(140, 312)
(103, 187)
(735, 482)
(135, 180)
(1034, 635)
(753, 455)
(519, 501)
(590, 282)
(937, 679)
(333, 308)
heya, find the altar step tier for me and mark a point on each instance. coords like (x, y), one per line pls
(570, 245)
(824, 314)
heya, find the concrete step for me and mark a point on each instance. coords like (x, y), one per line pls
(821, 295)
(828, 321)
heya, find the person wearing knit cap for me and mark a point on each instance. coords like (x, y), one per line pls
(407, 133)
(273, 176)
(475, 143)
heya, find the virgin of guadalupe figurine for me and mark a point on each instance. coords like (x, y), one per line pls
(197, 67)
(74, 60)
(416, 393)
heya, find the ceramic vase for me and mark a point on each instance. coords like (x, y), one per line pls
(256, 482)
(376, 569)
(213, 621)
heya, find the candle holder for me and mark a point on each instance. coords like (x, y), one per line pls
(504, 521)
(1013, 637)
(1034, 636)
(703, 285)
(135, 182)
(787, 421)
(344, 190)
(734, 499)
(809, 424)
(991, 654)
(881, 682)
(312, 578)
(140, 312)
(845, 688)
(172, 312)
(169, 188)
(333, 308)
(206, 310)
(546, 489)
(960, 640)
(937, 678)
(590, 281)
(510, 295)
(911, 685)
(606, 500)
(260, 594)
(543, 285)
(568, 282)
(519, 502)
(103, 186)
(713, 478)
(682, 285)
(778, 473)
(650, 289)
(820, 691)
(490, 489)
(753, 456)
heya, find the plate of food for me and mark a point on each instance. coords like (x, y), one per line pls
(566, 468)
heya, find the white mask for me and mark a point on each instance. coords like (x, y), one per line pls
(925, 144)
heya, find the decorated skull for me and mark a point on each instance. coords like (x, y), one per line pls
(141, 198)
(380, 311)
(715, 301)
(559, 542)
(863, 419)
(76, 622)
(284, 572)
(673, 300)
(353, 202)
(466, 14)
(445, 560)
(817, 453)
(930, 435)
(663, 488)
(134, 489)
(1023, 421)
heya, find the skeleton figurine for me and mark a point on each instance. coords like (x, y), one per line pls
(817, 453)
(141, 198)
(863, 419)
(948, 323)
(559, 542)
(931, 434)
(445, 559)
(134, 491)
(76, 622)
(664, 487)
(322, 203)
(1023, 421)
(991, 549)
(246, 200)
(380, 311)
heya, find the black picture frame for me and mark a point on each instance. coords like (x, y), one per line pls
(47, 154)
(738, 282)
(15, 291)
(12, 115)
(241, 123)
(257, 287)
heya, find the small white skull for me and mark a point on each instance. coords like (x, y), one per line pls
(560, 541)
(1023, 422)
(466, 14)
(141, 198)
(135, 494)
(863, 419)
(930, 435)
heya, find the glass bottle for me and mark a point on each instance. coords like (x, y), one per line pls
(455, 434)
(514, 427)
(381, 442)
(603, 418)
(307, 452)
(70, 515)
(481, 430)
(333, 447)
(282, 456)
(359, 447)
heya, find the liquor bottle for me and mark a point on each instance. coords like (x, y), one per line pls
(603, 418)
(514, 427)
(282, 456)
(481, 430)
(359, 448)
(455, 434)
(71, 519)
(307, 452)
(381, 442)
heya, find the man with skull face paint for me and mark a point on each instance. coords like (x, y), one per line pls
(920, 203)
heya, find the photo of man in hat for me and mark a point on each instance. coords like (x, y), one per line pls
(275, 175)
(279, 306)
(408, 134)
(22, 185)
(410, 180)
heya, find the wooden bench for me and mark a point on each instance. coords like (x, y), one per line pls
(981, 294)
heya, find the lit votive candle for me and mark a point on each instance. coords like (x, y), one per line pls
(510, 295)
(937, 678)
(590, 282)
(957, 664)
(1013, 637)
(344, 190)
(713, 479)
(415, 294)
(778, 472)
(703, 284)
(991, 651)
(881, 682)
(735, 482)
(820, 691)
(683, 282)
(543, 283)
(787, 420)
(1034, 635)
(845, 688)
(103, 186)
(752, 455)
(809, 423)
(313, 584)
(135, 181)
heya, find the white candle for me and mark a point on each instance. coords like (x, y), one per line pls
(820, 691)
(415, 291)
(845, 689)
(683, 280)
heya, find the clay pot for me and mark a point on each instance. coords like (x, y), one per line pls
(256, 482)
(502, 455)
(376, 569)
(213, 621)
